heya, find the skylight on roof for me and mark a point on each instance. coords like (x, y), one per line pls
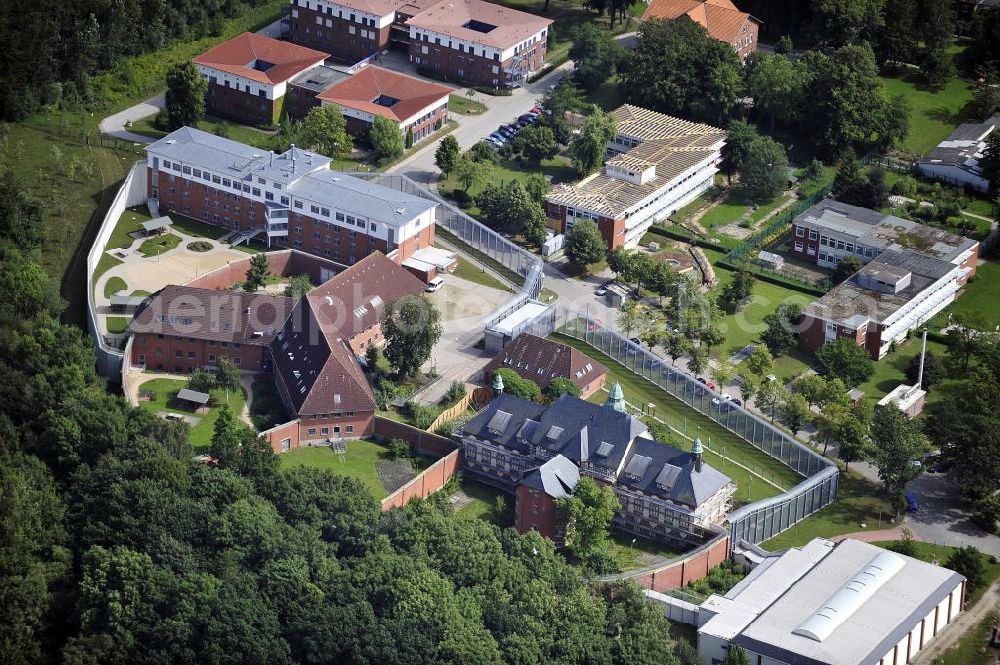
(386, 101)
(260, 65)
(376, 301)
(360, 311)
(479, 26)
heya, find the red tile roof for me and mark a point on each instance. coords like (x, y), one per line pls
(353, 301)
(207, 314)
(543, 360)
(241, 54)
(721, 18)
(361, 90)
(318, 372)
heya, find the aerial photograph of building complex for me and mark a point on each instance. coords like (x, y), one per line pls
(500, 332)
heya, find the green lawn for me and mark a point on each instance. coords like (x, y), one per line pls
(130, 222)
(891, 370)
(980, 296)
(159, 244)
(117, 324)
(140, 292)
(483, 504)
(114, 285)
(464, 105)
(453, 240)
(705, 197)
(212, 125)
(359, 462)
(934, 114)
(621, 548)
(858, 502)
(266, 409)
(200, 435)
(466, 270)
(725, 213)
(679, 415)
(744, 327)
(559, 168)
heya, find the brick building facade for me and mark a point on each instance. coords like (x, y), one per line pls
(721, 19)
(292, 199)
(248, 75)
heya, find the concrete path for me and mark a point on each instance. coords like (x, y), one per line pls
(896, 533)
(136, 378)
(114, 125)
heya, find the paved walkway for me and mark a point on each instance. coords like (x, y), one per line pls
(114, 125)
(895, 533)
(135, 378)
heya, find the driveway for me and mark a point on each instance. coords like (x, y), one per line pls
(944, 516)
(473, 128)
(114, 125)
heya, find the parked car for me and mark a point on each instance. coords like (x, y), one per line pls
(537, 109)
(736, 401)
(912, 505)
(434, 284)
(492, 141)
(602, 290)
(702, 379)
(719, 399)
(499, 138)
(527, 118)
(635, 340)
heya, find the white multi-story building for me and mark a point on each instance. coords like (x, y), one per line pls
(656, 165)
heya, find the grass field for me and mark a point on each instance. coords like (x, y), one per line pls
(859, 501)
(359, 462)
(200, 435)
(934, 114)
(64, 164)
(466, 270)
(464, 105)
(679, 415)
(744, 326)
(628, 555)
(210, 124)
(159, 244)
(891, 370)
(117, 324)
(113, 286)
(558, 168)
(980, 297)
(484, 503)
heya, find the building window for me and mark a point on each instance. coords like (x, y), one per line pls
(812, 234)
(799, 231)
(798, 246)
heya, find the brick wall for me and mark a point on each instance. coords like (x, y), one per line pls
(535, 511)
(679, 572)
(349, 425)
(202, 201)
(334, 36)
(750, 28)
(431, 480)
(158, 352)
(299, 101)
(475, 69)
(425, 442)
(277, 434)
(283, 262)
(239, 105)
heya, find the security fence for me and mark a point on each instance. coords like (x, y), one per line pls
(755, 522)
(484, 242)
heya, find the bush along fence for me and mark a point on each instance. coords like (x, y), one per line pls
(685, 235)
(754, 522)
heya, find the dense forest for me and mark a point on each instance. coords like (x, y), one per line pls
(52, 48)
(117, 547)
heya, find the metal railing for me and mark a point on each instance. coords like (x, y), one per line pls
(754, 522)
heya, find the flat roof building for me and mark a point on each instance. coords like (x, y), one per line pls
(656, 165)
(293, 198)
(249, 74)
(956, 159)
(911, 272)
(826, 603)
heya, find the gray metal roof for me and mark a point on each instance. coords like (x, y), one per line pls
(320, 78)
(189, 395)
(158, 223)
(118, 300)
(303, 174)
(763, 614)
(671, 472)
(557, 477)
(963, 148)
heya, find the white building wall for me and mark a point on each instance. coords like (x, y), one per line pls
(341, 11)
(476, 48)
(954, 176)
(242, 83)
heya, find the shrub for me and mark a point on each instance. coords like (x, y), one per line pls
(399, 449)
(968, 562)
(449, 427)
(423, 416)
(456, 391)
(603, 563)
(986, 513)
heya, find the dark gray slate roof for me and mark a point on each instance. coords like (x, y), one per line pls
(557, 477)
(579, 430)
(657, 468)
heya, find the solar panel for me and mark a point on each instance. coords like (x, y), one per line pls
(604, 449)
(668, 476)
(498, 423)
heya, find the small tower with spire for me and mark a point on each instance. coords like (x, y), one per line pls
(696, 451)
(497, 385)
(616, 398)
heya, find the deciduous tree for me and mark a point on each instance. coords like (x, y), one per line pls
(411, 327)
(588, 147)
(447, 154)
(587, 514)
(185, 97)
(845, 360)
(897, 441)
(386, 139)
(325, 131)
(257, 273)
(584, 244)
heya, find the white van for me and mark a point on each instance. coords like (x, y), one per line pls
(434, 284)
